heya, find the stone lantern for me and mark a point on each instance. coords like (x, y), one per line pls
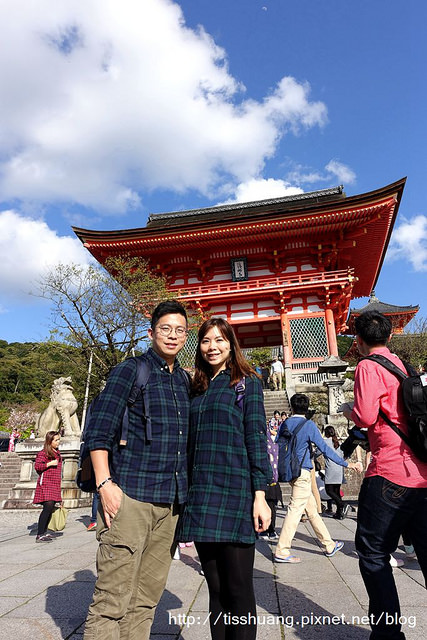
(334, 368)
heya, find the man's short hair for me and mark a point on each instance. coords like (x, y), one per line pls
(300, 403)
(166, 307)
(373, 328)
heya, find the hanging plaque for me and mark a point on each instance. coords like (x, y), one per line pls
(239, 269)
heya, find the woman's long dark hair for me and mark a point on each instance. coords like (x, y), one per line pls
(237, 364)
(48, 449)
(330, 433)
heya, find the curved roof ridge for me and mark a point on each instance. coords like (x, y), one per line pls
(323, 193)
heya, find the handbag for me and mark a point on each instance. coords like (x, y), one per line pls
(58, 519)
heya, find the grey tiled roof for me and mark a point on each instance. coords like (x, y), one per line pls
(383, 307)
(222, 212)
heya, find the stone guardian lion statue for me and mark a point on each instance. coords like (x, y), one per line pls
(61, 412)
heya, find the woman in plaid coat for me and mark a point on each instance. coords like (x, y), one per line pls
(48, 465)
(229, 473)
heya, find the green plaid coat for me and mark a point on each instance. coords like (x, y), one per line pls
(228, 461)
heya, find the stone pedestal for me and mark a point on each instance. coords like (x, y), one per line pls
(335, 399)
(23, 492)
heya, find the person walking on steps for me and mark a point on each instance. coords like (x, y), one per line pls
(276, 373)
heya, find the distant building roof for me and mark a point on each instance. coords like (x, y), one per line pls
(375, 304)
(399, 315)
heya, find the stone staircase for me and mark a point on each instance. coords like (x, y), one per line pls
(9, 474)
(276, 401)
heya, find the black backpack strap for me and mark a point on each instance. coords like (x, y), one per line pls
(387, 364)
(395, 428)
(390, 366)
(143, 370)
(295, 432)
(240, 389)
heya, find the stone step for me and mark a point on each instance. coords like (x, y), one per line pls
(10, 472)
(275, 401)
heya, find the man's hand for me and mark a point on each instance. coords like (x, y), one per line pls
(346, 408)
(357, 466)
(111, 497)
(261, 512)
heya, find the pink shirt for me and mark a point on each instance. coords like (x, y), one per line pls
(376, 388)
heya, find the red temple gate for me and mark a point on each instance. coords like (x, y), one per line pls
(282, 271)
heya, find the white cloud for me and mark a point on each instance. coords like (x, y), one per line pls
(409, 242)
(262, 189)
(344, 174)
(335, 171)
(103, 99)
(27, 247)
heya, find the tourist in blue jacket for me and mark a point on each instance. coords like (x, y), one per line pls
(302, 498)
(229, 473)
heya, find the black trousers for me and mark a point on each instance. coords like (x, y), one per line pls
(228, 569)
(333, 491)
(48, 507)
(385, 511)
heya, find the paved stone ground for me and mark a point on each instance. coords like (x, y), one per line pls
(45, 590)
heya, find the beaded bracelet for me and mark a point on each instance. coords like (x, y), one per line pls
(101, 484)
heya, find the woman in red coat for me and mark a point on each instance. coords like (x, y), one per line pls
(48, 465)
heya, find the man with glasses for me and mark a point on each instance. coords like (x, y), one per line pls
(140, 485)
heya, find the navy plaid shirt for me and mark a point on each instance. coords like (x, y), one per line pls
(229, 459)
(154, 471)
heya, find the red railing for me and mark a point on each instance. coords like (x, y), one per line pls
(296, 281)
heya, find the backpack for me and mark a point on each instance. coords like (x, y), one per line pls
(413, 387)
(289, 467)
(85, 478)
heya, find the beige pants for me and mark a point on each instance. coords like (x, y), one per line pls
(133, 562)
(277, 381)
(315, 491)
(302, 499)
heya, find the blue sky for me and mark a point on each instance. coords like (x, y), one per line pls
(113, 110)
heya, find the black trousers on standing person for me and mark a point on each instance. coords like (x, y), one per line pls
(228, 569)
(48, 508)
(334, 492)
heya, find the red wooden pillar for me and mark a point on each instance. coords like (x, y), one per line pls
(330, 331)
(284, 325)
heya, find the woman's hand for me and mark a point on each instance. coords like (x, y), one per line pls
(261, 512)
(111, 497)
(357, 466)
(52, 463)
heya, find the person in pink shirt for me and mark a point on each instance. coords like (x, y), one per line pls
(393, 496)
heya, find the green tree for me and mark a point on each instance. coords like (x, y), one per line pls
(411, 345)
(344, 343)
(105, 317)
(259, 355)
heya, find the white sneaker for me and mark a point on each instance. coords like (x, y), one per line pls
(396, 562)
(177, 555)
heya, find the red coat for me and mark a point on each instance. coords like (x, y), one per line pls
(49, 480)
